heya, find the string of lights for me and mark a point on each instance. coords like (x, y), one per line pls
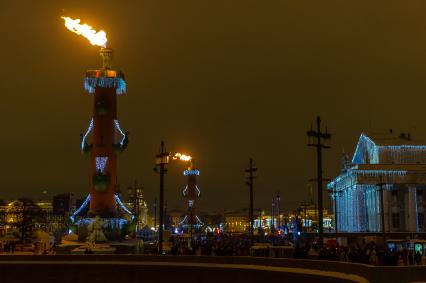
(91, 83)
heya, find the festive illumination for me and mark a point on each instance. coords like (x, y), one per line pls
(183, 221)
(184, 191)
(91, 83)
(101, 162)
(82, 206)
(182, 157)
(199, 221)
(121, 204)
(371, 173)
(368, 152)
(89, 129)
(375, 170)
(117, 126)
(95, 37)
(191, 172)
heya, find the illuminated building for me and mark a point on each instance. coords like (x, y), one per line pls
(236, 221)
(137, 204)
(384, 166)
(63, 203)
(307, 214)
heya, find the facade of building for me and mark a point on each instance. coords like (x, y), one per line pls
(63, 204)
(236, 221)
(137, 204)
(307, 214)
(383, 187)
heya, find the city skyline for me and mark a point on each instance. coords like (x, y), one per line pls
(218, 86)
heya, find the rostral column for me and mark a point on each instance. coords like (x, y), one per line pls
(108, 138)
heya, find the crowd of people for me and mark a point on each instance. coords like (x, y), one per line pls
(214, 246)
(368, 253)
(8, 246)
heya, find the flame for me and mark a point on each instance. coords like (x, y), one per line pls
(182, 157)
(96, 38)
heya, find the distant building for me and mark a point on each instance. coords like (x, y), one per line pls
(307, 214)
(63, 204)
(236, 221)
(388, 163)
(137, 204)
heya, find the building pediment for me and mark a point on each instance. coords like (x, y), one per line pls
(366, 151)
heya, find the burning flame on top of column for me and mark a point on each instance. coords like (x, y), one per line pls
(182, 157)
(95, 37)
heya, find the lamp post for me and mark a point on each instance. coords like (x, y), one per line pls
(278, 199)
(273, 217)
(155, 214)
(166, 222)
(251, 173)
(161, 161)
(315, 139)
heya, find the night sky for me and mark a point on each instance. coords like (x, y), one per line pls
(220, 80)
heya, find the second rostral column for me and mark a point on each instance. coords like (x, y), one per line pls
(107, 139)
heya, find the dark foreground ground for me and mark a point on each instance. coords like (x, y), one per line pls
(174, 269)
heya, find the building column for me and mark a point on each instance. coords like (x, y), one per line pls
(387, 209)
(411, 209)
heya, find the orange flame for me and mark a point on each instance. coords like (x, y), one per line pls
(182, 157)
(96, 38)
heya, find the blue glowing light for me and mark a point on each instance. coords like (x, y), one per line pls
(199, 221)
(365, 150)
(121, 204)
(91, 83)
(191, 172)
(101, 162)
(89, 129)
(184, 220)
(371, 173)
(117, 126)
(83, 205)
(368, 152)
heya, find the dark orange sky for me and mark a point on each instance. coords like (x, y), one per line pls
(222, 80)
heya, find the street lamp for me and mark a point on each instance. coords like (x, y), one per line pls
(278, 199)
(319, 139)
(251, 174)
(161, 161)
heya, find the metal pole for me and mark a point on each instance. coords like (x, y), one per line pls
(273, 217)
(319, 167)
(251, 198)
(166, 222)
(278, 211)
(155, 213)
(161, 228)
(250, 176)
(316, 142)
